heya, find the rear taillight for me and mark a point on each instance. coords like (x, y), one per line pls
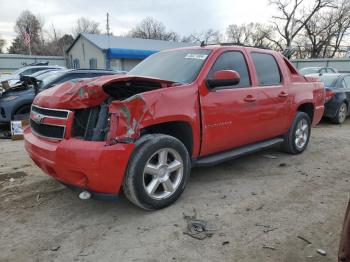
(329, 95)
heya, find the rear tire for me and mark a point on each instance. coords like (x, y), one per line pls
(298, 136)
(157, 172)
(341, 114)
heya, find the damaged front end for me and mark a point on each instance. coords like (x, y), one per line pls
(107, 109)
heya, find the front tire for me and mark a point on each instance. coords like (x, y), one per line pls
(341, 114)
(22, 112)
(157, 172)
(298, 136)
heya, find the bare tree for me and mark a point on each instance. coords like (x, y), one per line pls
(325, 31)
(2, 44)
(32, 24)
(86, 25)
(252, 34)
(150, 28)
(209, 36)
(57, 43)
(292, 17)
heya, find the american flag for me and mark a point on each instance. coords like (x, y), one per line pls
(26, 36)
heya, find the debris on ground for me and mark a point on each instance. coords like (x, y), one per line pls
(322, 252)
(304, 239)
(198, 228)
(55, 247)
(260, 207)
(12, 180)
(5, 135)
(270, 156)
(38, 197)
(268, 247)
(267, 228)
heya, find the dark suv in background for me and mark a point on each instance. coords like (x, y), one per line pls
(18, 99)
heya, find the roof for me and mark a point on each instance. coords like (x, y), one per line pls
(105, 42)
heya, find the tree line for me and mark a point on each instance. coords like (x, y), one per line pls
(300, 28)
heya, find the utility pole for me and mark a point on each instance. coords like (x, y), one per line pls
(107, 25)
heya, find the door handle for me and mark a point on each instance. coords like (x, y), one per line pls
(250, 98)
(283, 94)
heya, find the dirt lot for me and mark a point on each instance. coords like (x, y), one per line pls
(260, 205)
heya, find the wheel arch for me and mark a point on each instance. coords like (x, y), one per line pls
(19, 107)
(181, 130)
(307, 108)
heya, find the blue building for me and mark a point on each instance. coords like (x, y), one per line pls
(113, 52)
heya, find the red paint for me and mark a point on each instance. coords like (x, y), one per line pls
(86, 164)
(220, 119)
(226, 74)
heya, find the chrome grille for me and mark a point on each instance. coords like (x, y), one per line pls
(39, 125)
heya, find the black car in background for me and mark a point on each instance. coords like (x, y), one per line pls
(337, 96)
(17, 100)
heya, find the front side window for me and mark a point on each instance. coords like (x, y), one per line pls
(267, 69)
(232, 60)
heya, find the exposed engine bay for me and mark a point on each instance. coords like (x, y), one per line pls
(94, 123)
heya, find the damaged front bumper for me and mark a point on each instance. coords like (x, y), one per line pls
(81, 165)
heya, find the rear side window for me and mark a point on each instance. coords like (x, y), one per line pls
(232, 61)
(347, 81)
(267, 69)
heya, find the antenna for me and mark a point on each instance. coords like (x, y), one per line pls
(107, 24)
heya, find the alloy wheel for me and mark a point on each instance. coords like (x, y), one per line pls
(301, 134)
(342, 113)
(163, 173)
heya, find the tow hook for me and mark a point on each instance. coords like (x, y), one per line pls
(85, 195)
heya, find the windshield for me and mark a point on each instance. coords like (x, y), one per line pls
(18, 71)
(49, 77)
(329, 81)
(42, 72)
(310, 70)
(180, 66)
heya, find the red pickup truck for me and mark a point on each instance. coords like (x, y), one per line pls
(144, 131)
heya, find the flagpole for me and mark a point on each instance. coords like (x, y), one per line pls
(30, 49)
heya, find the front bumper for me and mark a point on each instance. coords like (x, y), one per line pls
(86, 165)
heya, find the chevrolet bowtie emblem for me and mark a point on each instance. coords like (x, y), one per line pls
(37, 118)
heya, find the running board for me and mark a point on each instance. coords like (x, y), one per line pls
(235, 153)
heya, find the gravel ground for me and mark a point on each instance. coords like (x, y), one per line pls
(260, 204)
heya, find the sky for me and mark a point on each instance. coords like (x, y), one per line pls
(181, 16)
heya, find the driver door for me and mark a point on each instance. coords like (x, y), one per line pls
(229, 114)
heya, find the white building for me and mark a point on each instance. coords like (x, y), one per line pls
(113, 52)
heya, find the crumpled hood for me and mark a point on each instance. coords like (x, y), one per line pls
(77, 94)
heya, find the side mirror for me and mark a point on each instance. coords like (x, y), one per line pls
(224, 78)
